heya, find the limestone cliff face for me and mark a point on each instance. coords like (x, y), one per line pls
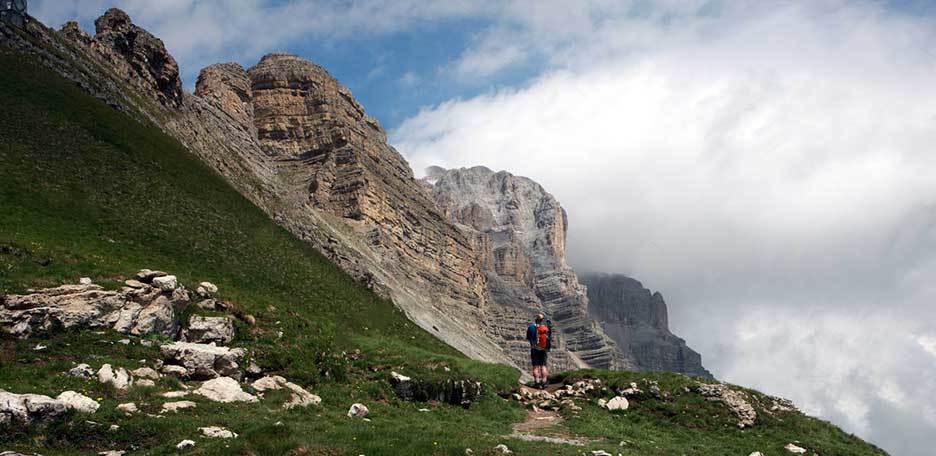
(520, 230)
(295, 142)
(637, 320)
(469, 259)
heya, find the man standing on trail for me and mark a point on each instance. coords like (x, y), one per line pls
(539, 334)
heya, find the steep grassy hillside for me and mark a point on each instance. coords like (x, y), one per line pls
(86, 191)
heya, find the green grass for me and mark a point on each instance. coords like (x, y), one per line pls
(87, 191)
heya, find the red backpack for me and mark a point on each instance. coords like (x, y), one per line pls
(542, 337)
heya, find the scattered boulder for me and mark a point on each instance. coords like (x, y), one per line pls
(176, 406)
(734, 400)
(145, 372)
(300, 397)
(78, 402)
(617, 403)
(206, 289)
(147, 276)
(185, 444)
(112, 453)
(134, 283)
(756, 453)
(144, 382)
(794, 449)
(116, 377)
(28, 408)
(358, 411)
(224, 389)
(166, 283)
(502, 449)
(175, 371)
(216, 432)
(203, 361)
(128, 408)
(600, 453)
(82, 371)
(205, 330)
(174, 394)
(85, 281)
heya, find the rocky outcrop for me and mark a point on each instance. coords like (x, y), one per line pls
(140, 57)
(637, 321)
(520, 231)
(202, 361)
(205, 330)
(29, 408)
(136, 311)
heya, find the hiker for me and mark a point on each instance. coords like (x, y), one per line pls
(539, 334)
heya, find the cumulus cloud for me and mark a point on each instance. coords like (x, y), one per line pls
(767, 165)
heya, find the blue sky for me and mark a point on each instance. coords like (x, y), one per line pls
(766, 164)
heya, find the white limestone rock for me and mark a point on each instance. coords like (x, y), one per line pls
(177, 405)
(794, 449)
(205, 330)
(82, 371)
(28, 408)
(116, 377)
(128, 408)
(216, 432)
(166, 283)
(203, 361)
(358, 411)
(78, 402)
(300, 397)
(224, 389)
(617, 403)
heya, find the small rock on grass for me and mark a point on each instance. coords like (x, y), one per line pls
(128, 407)
(217, 432)
(358, 411)
(502, 449)
(78, 402)
(224, 389)
(178, 405)
(185, 444)
(794, 449)
(82, 371)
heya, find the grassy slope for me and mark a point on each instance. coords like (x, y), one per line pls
(85, 191)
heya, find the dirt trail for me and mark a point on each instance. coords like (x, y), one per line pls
(543, 426)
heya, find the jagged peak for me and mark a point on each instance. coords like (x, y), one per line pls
(113, 20)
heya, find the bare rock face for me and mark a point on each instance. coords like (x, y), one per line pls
(637, 320)
(227, 86)
(520, 230)
(136, 311)
(139, 56)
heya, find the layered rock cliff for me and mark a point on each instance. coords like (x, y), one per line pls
(469, 259)
(637, 321)
(520, 230)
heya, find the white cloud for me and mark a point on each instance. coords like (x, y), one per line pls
(409, 79)
(767, 165)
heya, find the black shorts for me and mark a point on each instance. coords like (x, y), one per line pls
(538, 357)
